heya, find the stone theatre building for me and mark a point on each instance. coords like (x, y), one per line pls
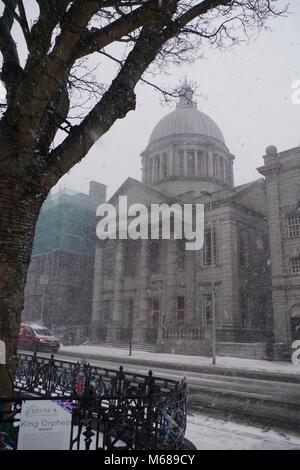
(282, 176)
(161, 294)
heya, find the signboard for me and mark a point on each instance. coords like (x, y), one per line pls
(45, 425)
(2, 352)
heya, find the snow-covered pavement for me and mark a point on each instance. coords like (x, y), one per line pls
(208, 433)
(224, 362)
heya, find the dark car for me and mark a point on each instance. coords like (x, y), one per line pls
(37, 338)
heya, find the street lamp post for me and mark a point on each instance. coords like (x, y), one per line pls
(130, 326)
(212, 279)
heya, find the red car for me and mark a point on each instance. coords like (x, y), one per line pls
(37, 338)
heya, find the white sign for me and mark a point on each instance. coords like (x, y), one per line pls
(2, 352)
(44, 425)
(296, 354)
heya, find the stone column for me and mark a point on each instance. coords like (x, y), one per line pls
(117, 307)
(142, 294)
(169, 306)
(97, 314)
(279, 294)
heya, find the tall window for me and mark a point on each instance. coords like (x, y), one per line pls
(165, 165)
(181, 162)
(207, 307)
(180, 254)
(153, 256)
(150, 163)
(155, 320)
(180, 309)
(155, 304)
(109, 258)
(227, 172)
(295, 265)
(191, 162)
(216, 166)
(157, 167)
(106, 310)
(209, 247)
(221, 168)
(244, 310)
(202, 161)
(131, 254)
(243, 248)
(293, 225)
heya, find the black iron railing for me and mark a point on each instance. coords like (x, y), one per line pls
(111, 409)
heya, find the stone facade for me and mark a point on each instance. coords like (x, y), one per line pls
(160, 292)
(282, 174)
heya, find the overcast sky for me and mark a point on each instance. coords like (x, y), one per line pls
(246, 90)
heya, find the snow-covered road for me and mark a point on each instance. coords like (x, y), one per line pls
(208, 433)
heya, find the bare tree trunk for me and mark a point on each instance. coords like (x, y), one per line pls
(20, 203)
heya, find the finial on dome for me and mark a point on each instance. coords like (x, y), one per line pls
(186, 94)
(271, 151)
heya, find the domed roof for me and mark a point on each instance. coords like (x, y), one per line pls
(186, 119)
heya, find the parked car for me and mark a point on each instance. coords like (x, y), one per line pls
(37, 338)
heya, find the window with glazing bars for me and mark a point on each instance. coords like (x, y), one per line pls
(191, 162)
(293, 225)
(243, 248)
(295, 265)
(207, 247)
(202, 163)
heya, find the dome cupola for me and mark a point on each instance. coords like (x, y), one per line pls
(186, 119)
(187, 151)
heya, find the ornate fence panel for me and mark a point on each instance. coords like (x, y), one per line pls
(111, 409)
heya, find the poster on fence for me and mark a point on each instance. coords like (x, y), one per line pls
(45, 425)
